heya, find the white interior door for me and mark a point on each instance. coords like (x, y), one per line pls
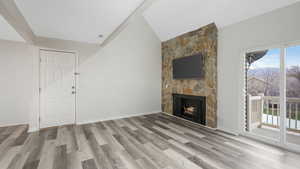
(57, 88)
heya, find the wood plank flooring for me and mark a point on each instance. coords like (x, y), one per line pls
(155, 141)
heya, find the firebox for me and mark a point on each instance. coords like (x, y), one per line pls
(189, 107)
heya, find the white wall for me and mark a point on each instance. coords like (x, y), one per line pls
(17, 81)
(83, 50)
(273, 28)
(123, 78)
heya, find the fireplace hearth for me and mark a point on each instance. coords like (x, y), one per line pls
(189, 107)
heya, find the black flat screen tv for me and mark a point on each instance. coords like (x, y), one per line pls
(190, 67)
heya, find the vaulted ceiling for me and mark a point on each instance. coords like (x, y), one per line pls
(76, 20)
(170, 18)
(7, 32)
(84, 21)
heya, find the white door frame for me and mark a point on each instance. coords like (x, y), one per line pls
(39, 81)
(282, 142)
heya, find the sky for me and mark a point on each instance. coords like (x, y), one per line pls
(272, 58)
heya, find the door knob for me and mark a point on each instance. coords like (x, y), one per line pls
(73, 87)
(73, 92)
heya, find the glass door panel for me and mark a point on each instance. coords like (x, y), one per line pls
(263, 93)
(292, 60)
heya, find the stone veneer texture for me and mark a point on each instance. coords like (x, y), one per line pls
(203, 40)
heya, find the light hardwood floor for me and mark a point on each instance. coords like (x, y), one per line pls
(155, 141)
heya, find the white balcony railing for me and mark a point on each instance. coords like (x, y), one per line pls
(265, 110)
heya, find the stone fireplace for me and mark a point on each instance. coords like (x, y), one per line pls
(190, 107)
(202, 41)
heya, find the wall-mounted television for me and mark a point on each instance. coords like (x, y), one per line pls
(190, 67)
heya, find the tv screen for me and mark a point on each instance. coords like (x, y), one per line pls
(190, 67)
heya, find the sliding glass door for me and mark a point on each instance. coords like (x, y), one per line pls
(263, 89)
(273, 94)
(292, 67)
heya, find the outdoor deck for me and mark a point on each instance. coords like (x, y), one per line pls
(264, 117)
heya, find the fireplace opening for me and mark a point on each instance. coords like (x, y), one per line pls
(191, 108)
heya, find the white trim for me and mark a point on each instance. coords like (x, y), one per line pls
(106, 119)
(76, 84)
(75, 79)
(119, 117)
(249, 109)
(39, 86)
(12, 124)
(282, 96)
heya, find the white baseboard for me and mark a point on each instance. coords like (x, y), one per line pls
(118, 117)
(34, 129)
(12, 124)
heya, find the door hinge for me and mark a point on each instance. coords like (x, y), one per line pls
(40, 90)
(40, 60)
